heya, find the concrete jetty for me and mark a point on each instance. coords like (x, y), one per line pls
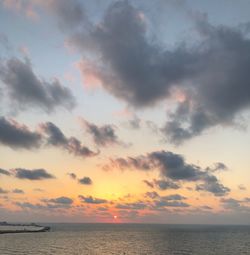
(6, 228)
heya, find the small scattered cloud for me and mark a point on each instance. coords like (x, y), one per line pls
(35, 174)
(55, 137)
(60, 200)
(4, 172)
(25, 90)
(102, 135)
(92, 200)
(85, 181)
(18, 191)
(18, 136)
(242, 187)
(72, 175)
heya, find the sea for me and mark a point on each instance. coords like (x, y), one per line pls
(120, 239)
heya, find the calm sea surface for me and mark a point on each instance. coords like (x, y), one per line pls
(77, 239)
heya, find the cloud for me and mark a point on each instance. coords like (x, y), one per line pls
(18, 191)
(162, 184)
(166, 184)
(55, 137)
(25, 7)
(92, 200)
(135, 122)
(60, 200)
(4, 172)
(218, 166)
(27, 205)
(25, 90)
(18, 136)
(174, 200)
(69, 13)
(148, 183)
(234, 205)
(4, 42)
(152, 195)
(72, 175)
(212, 73)
(35, 174)
(174, 197)
(220, 91)
(242, 187)
(212, 185)
(163, 203)
(132, 206)
(173, 169)
(102, 135)
(3, 191)
(85, 181)
(47, 204)
(141, 162)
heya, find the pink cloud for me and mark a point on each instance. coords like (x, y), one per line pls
(89, 74)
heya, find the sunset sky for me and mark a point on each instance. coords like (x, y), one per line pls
(125, 111)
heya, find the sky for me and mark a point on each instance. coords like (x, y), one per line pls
(125, 111)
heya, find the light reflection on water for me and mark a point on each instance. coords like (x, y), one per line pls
(77, 239)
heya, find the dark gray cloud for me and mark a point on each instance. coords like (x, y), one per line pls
(35, 174)
(149, 183)
(135, 69)
(174, 166)
(135, 122)
(166, 184)
(162, 184)
(60, 200)
(218, 166)
(165, 203)
(92, 200)
(152, 194)
(55, 137)
(47, 204)
(174, 200)
(221, 90)
(4, 172)
(213, 185)
(85, 181)
(234, 205)
(18, 191)
(173, 169)
(69, 13)
(140, 162)
(72, 175)
(102, 135)
(174, 197)
(132, 206)
(25, 90)
(18, 136)
(27, 205)
(213, 73)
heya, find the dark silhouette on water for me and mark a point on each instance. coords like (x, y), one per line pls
(7, 228)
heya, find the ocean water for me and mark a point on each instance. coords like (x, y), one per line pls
(102, 239)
